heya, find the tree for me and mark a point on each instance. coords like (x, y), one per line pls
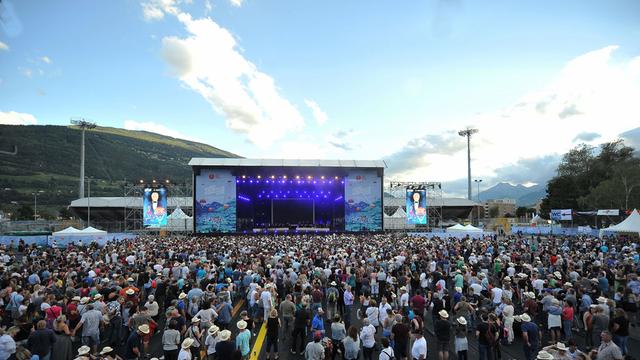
(64, 213)
(24, 212)
(521, 211)
(494, 211)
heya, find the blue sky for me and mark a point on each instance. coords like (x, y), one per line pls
(386, 80)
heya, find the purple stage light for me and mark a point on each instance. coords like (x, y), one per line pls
(338, 198)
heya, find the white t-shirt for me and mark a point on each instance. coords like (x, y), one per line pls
(211, 343)
(477, 288)
(386, 354)
(131, 259)
(419, 348)
(184, 354)
(265, 297)
(497, 295)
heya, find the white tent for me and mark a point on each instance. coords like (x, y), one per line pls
(630, 225)
(68, 231)
(537, 220)
(457, 228)
(471, 228)
(91, 231)
(179, 221)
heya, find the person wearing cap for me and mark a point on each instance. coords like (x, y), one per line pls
(442, 329)
(558, 351)
(314, 349)
(90, 322)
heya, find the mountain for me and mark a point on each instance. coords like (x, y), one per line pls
(524, 196)
(48, 161)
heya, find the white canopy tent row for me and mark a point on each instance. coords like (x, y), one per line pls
(70, 231)
(630, 225)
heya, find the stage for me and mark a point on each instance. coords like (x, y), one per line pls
(273, 196)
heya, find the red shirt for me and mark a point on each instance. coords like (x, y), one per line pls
(567, 313)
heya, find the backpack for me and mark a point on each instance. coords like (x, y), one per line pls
(332, 297)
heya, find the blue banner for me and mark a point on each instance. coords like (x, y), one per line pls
(215, 201)
(363, 202)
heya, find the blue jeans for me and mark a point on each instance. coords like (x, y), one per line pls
(566, 328)
(621, 341)
(485, 352)
(530, 352)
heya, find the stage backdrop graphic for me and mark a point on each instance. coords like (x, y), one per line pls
(215, 196)
(363, 203)
(416, 206)
(155, 207)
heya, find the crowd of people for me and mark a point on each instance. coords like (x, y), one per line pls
(337, 296)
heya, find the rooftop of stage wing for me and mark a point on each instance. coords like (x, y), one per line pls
(225, 162)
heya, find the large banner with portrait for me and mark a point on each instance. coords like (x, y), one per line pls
(215, 201)
(363, 201)
(416, 206)
(154, 207)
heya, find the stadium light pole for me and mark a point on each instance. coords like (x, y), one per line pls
(467, 133)
(83, 124)
(88, 201)
(35, 204)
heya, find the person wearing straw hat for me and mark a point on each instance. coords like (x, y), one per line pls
(225, 348)
(194, 333)
(442, 329)
(530, 336)
(211, 341)
(243, 339)
(543, 355)
(84, 350)
(461, 343)
(185, 349)
(108, 353)
(133, 348)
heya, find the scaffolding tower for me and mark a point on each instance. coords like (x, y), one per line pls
(133, 192)
(433, 191)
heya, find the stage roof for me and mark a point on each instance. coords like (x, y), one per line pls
(210, 162)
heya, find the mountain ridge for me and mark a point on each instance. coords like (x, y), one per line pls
(524, 196)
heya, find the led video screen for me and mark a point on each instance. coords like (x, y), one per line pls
(416, 206)
(155, 207)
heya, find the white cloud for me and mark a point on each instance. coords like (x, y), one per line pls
(16, 118)
(319, 115)
(4, 46)
(155, 9)
(593, 93)
(236, 3)
(157, 128)
(46, 59)
(208, 7)
(26, 72)
(208, 62)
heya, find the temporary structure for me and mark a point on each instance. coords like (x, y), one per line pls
(472, 229)
(91, 231)
(630, 225)
(179, 221)
(70, 231)
(457, 228)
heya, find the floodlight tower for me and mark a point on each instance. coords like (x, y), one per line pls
(468, 132)
(84, 125)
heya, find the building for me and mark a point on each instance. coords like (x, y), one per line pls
(506, 207)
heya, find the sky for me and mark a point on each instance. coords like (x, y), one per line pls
(391, 80)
